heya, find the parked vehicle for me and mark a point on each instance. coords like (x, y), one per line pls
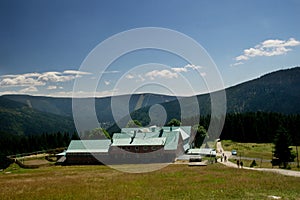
(234, 152)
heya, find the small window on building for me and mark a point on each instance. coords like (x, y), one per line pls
(145, 148)
(153, 148)
(136, 148)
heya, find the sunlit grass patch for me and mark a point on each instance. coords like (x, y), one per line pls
(260, 152)
(254, 150)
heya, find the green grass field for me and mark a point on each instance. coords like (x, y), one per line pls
(255, 150)
(173, 182)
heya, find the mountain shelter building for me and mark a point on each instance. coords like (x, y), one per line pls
(132, 145)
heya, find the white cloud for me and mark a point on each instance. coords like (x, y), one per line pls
(241, 57)
(129, 76)
(55, 77)
(25, 75)
(39, 79)
(186, 68)
(203, 74)
(236, 64)
(280, 43)
(141, 78)
(268, 48)
(51, 87)
(111, 72)
(75, 72)
(194, 67)
(179, 69)
(80, 94)
(136, 77)
(8, 92)
(161, 74)
(29, 89)
(164, 73)
(20, 80)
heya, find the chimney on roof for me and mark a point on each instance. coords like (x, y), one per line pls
(171, 128)
(161, 132)
(132, 138)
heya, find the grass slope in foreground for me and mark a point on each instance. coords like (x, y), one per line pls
(173, 182)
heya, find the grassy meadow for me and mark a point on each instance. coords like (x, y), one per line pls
(260, 151)
(172, 182)
(252, 150)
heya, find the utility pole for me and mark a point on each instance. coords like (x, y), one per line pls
(272, 156)
(297, 157)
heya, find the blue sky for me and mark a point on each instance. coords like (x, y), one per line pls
(44, 43)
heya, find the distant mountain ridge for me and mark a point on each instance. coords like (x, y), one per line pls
(277, 91)
(63, 106)
(19, 119)
(19, 112)
(274, 92)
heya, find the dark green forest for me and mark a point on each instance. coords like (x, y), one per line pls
(11, 144)
(260, 127)
(14, 144)
(247, 127)
(257, 127)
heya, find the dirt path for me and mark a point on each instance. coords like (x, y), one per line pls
(234, 165)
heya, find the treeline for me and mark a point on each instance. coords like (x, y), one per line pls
(11, 144)
(240, 127)
(260, 126)
(257, 127)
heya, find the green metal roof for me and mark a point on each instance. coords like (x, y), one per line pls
(141, 129)
(185, 132)
(140, 142)
(169, 139)
(83, 146)
(117, 136)
(171, 135)
(172, 140)
(137, 135)
(187, 129)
